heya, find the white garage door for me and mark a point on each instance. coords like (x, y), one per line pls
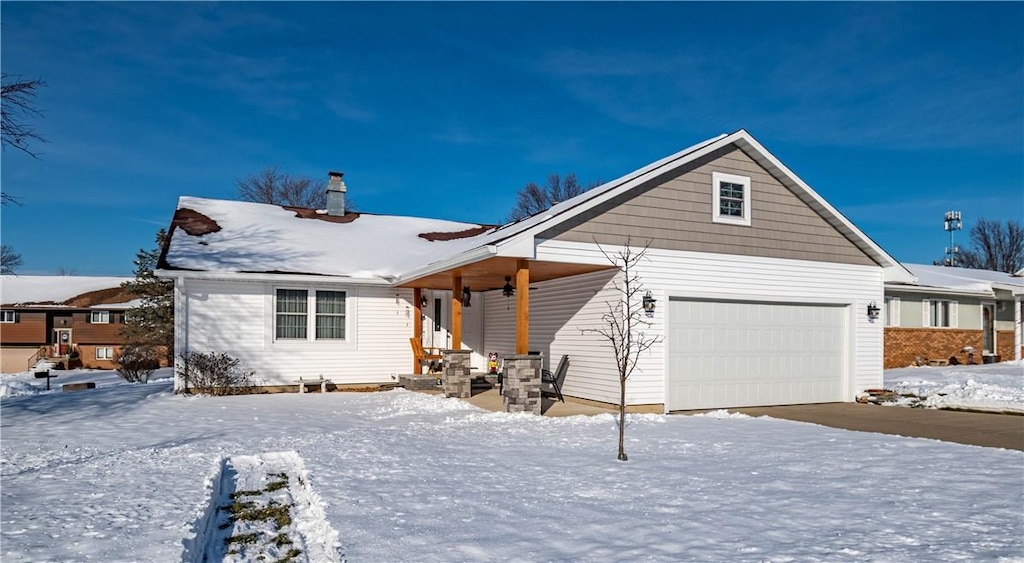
(735, 354)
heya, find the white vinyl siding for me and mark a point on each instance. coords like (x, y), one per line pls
(239, 318)
(683, 274)
(939, 313)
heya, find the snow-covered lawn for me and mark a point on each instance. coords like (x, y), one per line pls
(984, 387)
(135, 473)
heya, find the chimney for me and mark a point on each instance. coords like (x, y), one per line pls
(335, 194)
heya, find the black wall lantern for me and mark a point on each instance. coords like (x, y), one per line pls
(649, 302)
(873, 311)
(423, 301)
(466, 296)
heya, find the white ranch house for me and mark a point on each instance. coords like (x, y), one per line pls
(762, 287)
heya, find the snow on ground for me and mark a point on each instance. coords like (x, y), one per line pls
(124, 473)
(983, 387)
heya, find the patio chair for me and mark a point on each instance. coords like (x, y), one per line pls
(430, 356)
(551, 383)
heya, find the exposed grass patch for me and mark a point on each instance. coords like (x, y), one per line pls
(253, 511)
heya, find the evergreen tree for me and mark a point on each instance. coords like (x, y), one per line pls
(151, 323)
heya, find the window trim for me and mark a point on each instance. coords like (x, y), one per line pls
(716, 199)
(93, 316)
(11, 313)
(109, 355)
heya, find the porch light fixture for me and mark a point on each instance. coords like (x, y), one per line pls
(466, 296)
(423, 301)
(873, 311)
(649, 302)
(508, 290)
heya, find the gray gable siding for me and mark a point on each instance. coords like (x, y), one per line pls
(674, 212)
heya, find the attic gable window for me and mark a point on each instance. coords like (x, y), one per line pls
(7, 317)
(99, 317)
(731, 199)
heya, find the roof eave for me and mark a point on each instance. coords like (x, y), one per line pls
(275, 277)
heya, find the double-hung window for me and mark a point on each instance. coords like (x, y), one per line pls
(291, 318)
(731, 199)
(7, 317)
(940, 313)
(99, 317)
(293, 321)
(330, 315)
(104, 353)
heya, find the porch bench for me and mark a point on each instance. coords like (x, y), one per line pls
(321, 380)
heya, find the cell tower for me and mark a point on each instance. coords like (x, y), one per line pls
(952, 225)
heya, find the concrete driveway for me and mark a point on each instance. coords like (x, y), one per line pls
(977, 429)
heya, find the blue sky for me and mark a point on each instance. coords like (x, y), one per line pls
(893, 112)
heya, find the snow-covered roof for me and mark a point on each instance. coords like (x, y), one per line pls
(219, 237)
(960, 280)
(59, 290)
(213, 235)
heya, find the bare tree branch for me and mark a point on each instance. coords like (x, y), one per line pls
(624, 323)
(270, 185)
(17, 109)
(10, 260)
(995, 247)
(533, 199)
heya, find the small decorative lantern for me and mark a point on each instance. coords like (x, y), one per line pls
(649, 302)
(466, 296)
(423, 301)
(873, 311)
(508, 291)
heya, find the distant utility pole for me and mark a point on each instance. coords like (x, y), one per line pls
(952, 225)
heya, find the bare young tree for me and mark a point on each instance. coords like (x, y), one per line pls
(10, 260)
(533, 199)
(995, 246)
(270, 185)
(624, 325)
(17, 108)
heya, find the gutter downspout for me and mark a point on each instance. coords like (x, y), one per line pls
(1018, 337)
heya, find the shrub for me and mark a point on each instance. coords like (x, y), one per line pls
(213, 373)
(136, 361)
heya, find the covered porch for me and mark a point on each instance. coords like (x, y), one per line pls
(512, 277)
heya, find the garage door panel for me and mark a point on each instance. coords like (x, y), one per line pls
(725, 354)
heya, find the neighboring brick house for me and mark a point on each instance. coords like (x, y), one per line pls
(71, 320)
(948, 311)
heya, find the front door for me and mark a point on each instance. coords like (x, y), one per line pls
(988, 327)
(61, 341)
(437, 322)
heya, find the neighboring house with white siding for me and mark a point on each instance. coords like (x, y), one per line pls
(948, 312)
(762, 288)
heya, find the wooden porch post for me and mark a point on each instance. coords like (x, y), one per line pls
(417, 324)
(522, 307)
(457, 311)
